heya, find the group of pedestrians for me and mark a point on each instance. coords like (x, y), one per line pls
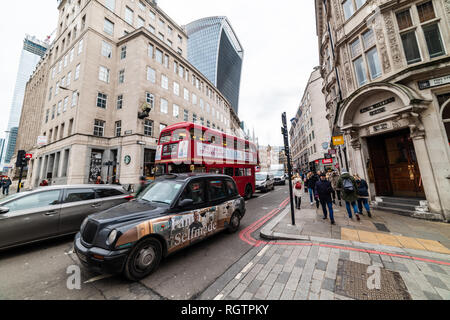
(324, 188)
(5, 183)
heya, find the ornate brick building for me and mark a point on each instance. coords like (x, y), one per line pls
(386, 67)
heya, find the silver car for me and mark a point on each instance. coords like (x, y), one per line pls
(54, 211)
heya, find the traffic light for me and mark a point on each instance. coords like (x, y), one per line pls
(22, 160)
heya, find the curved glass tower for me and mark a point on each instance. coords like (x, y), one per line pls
(214, 49)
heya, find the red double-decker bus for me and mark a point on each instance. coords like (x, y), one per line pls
(187, 147)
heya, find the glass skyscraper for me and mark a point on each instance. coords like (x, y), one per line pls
(214, 49)
(33, 50)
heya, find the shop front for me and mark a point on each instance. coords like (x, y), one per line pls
(392, 136)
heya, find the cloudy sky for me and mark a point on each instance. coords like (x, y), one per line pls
(279, 39)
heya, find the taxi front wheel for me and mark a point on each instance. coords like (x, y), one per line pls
(143, 259)
(235, 222)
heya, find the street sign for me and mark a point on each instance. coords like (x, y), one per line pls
(29, 156)
(332, 151)
(338, 140)
(327, 161)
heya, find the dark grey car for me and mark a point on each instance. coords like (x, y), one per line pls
(54, 211)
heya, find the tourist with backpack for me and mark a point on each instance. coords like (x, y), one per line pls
(363, 195)
(297, 186)
(349, 193)
(324, 189)
(311, 183)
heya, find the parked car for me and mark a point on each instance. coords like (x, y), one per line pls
(265, 181)
(172, 213)
(54, 211)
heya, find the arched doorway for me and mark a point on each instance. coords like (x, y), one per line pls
(444, 102)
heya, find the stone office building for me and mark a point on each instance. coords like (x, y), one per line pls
(110, 60)
(386, 66)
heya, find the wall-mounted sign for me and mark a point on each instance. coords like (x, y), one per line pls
(377, 105)
(436, 82)
(380, 127)
(338, 140)
(128, 132)
(377, 111)
(327, 161)
(325, 145)
(42, 140)
(127, 159)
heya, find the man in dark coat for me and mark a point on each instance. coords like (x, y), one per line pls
(323, 189)
(6, 183)
(349, 192)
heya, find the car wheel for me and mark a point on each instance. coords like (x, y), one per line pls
(143, 259)
(235, 222)
(248, 193)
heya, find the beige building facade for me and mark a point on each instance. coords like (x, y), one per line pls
(310, 132)
(111, 60)
(386, 66)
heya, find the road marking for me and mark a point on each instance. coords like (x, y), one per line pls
(247, 267)
(238, 276)
(263, 251)
(101, 277)
(219, 297)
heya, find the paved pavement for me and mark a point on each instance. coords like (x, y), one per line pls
(314, 260)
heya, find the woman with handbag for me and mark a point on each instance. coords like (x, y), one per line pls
(297, 186)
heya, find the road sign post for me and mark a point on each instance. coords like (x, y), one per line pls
(284, 131)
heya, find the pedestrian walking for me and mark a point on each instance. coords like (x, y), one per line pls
(311, 183)
(334, 178)
(5, 187)
(348, 187)
(363, 195)
(323, 189)
(297, 186)
(99, 180)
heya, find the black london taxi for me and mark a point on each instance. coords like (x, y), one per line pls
(172, 213)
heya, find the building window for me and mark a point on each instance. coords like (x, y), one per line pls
(69, 78)
(74, 99)
(409, 40)
(111, 4)
(151, 50)
(150, 99)
(166, 61)
(152, 15)
(161, 23)
(176, 88)
(186, 115)
(53, 112)
(80, 46)
(365, 57)
(186, 94)
(123, 52)
(140, 22)
(129, 15)
(77, 72)
(66, 103)
(99, 128)
(164, 106)
(141, 6)
(118, 128)
(106, 50)
(101, 100)
(350, 6)
(121, 76)
(159, 56)
(371, 54)
(47, 115)
(108, 27)
(103, 74)
(148, 128)
(433, 39)
(151, 29)
(58, 111)
(164, 82)
(161, 36)
(208, 124)
(194, 118)
(119, 102)
(194, 98)
(176, 111)
(50, 94)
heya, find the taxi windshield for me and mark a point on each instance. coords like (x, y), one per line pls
(162, 191)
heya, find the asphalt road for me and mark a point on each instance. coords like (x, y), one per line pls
(41, 270)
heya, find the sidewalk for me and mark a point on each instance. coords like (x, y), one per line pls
(315, 260)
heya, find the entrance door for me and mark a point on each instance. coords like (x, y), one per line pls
(395, 166)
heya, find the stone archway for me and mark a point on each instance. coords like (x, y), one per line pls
(445, 116)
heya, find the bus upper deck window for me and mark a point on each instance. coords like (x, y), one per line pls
(165, 138)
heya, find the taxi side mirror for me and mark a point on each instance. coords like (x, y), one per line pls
(4, 210)
(186, 203)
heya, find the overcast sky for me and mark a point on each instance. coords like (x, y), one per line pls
(279, 39)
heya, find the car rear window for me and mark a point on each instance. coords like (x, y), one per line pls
(216, 190)
(76, 195)
(105, 193)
